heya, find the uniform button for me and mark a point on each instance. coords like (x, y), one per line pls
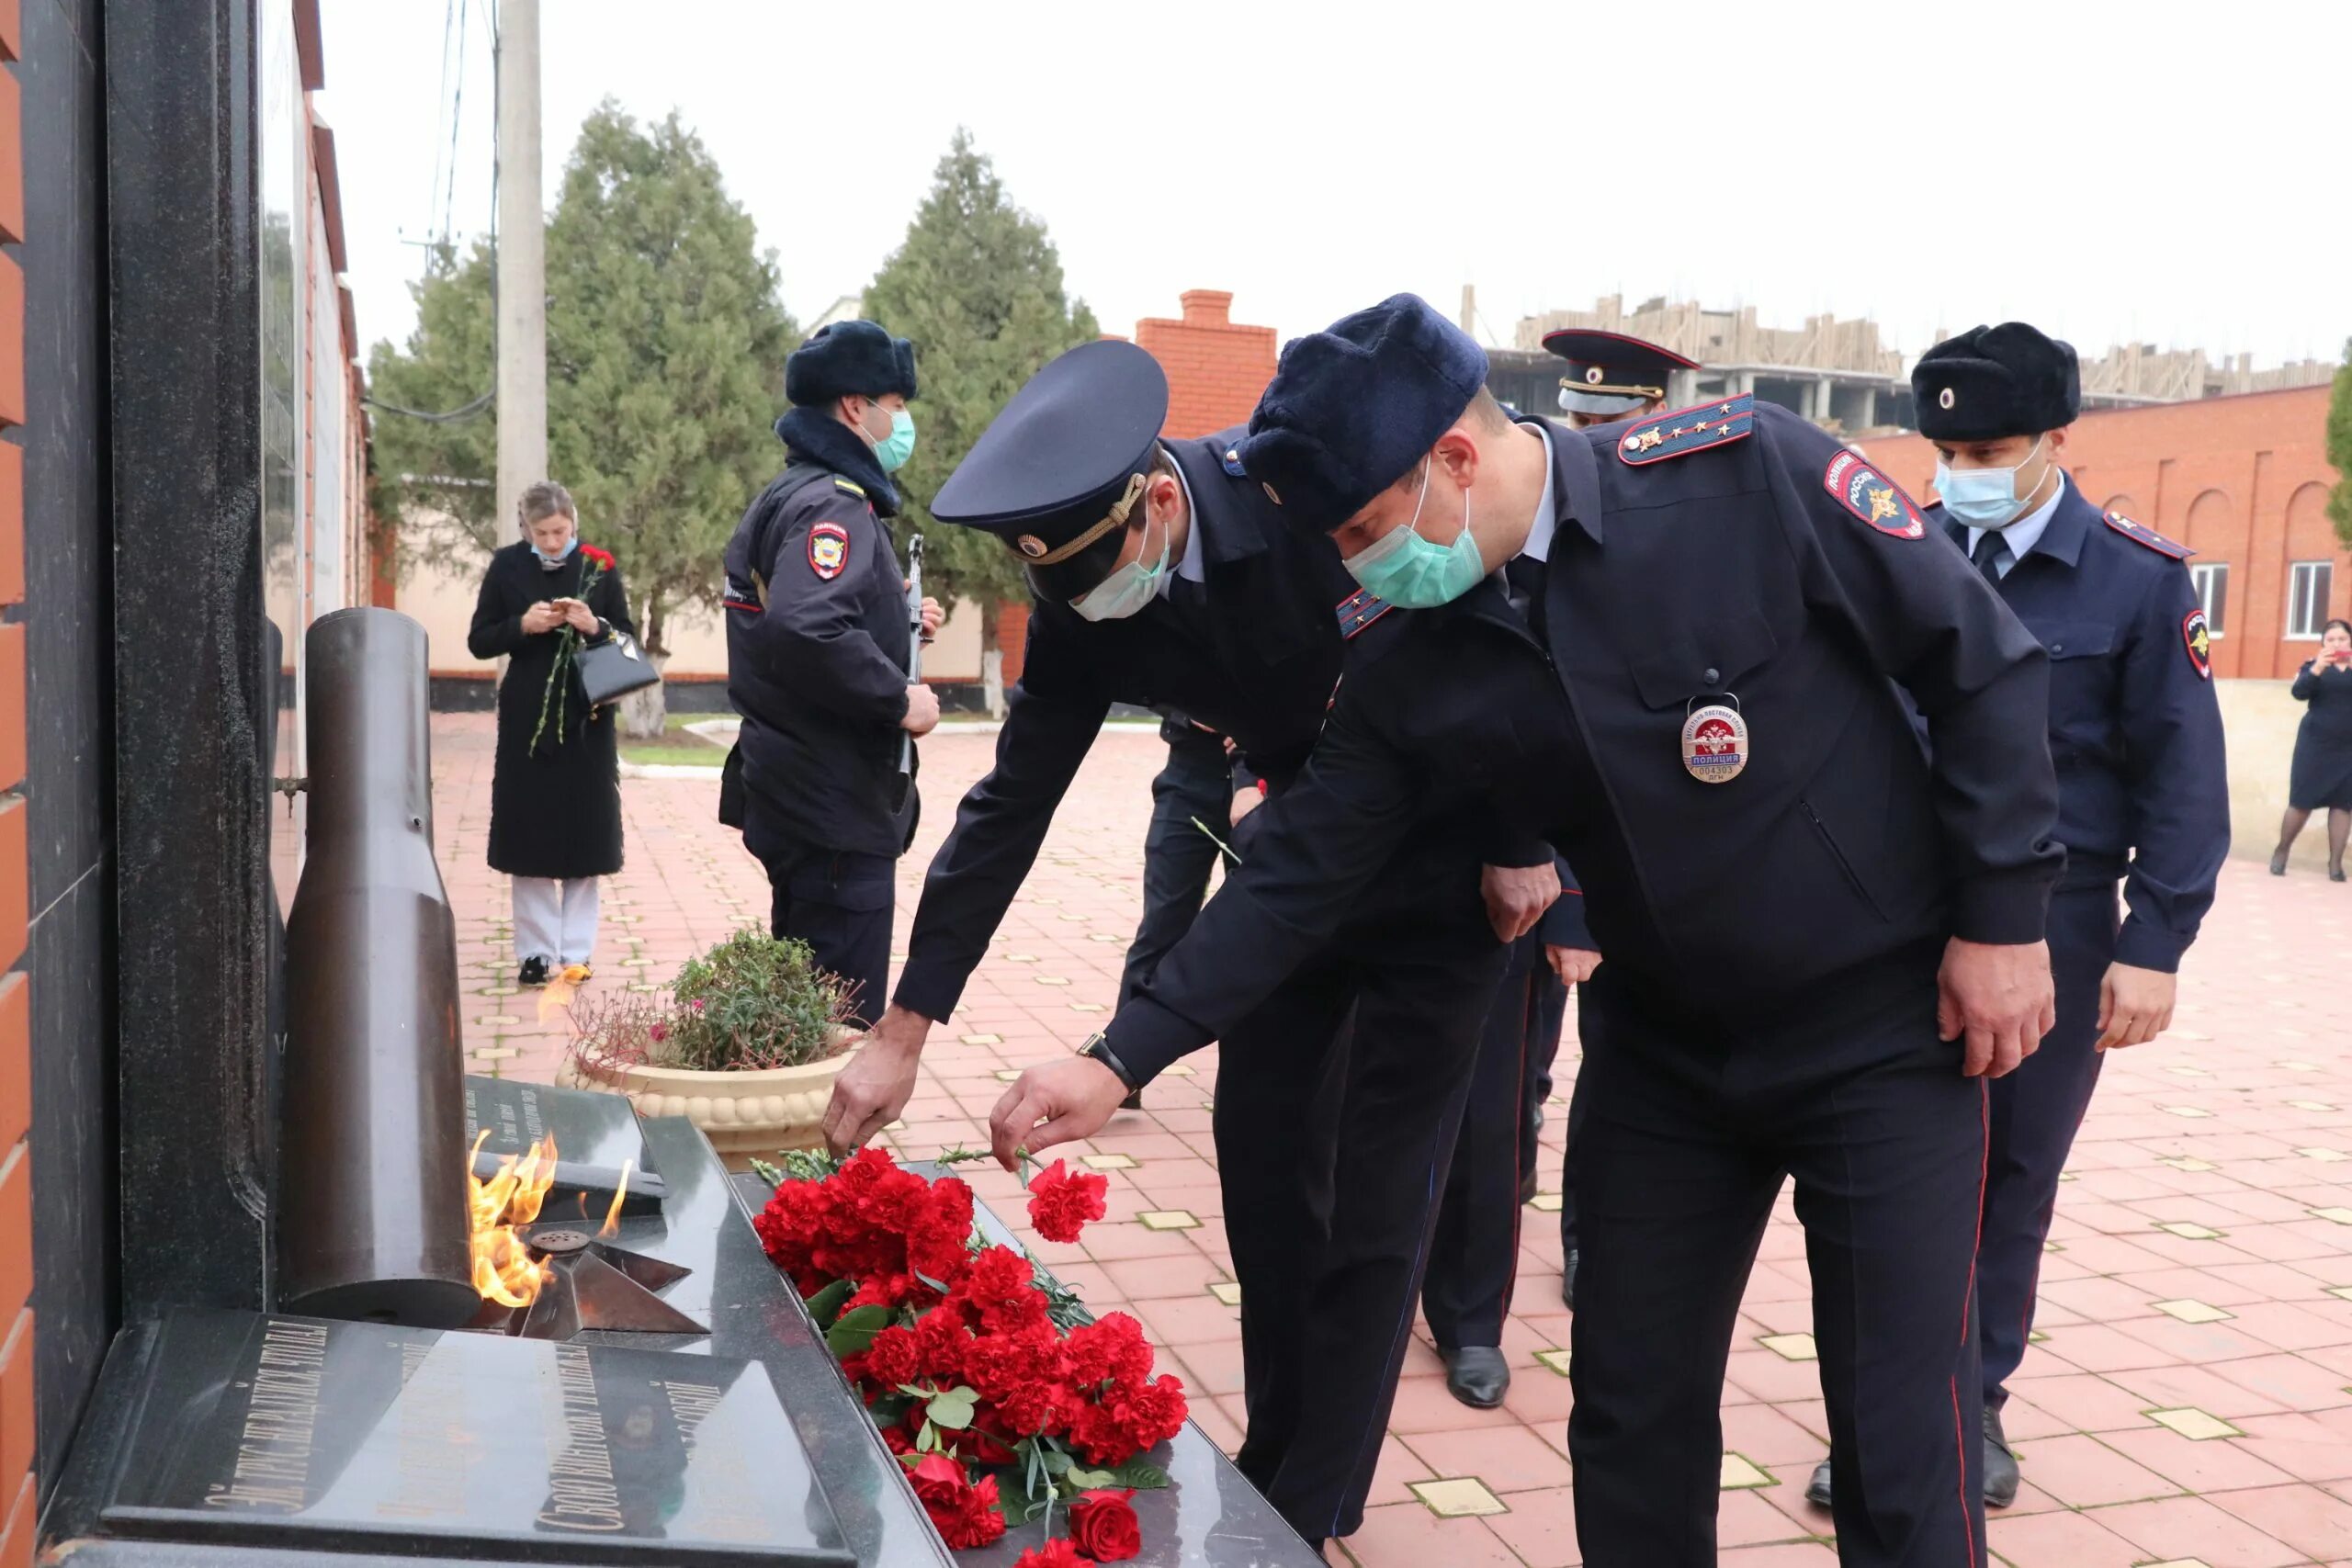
(2057, 648)
(1711, 675)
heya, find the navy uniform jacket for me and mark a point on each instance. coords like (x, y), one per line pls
(1734, 549)
(816, 643)
(2134, 727)
(1252, 652)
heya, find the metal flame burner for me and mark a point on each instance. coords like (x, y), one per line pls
(593, 1285)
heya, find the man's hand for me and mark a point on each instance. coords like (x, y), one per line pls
(934, 617)
(1245, 801)
(1999, 998)
(874, 1087)
(2134, 1005)
(922, 711)
(1517, 896)
(1072, 1098)
(542, 617)
(1574, 965)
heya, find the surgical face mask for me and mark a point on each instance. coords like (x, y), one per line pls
(1128, 588)
(1414, 574)
(1985, 498)
(561, 556)
(891, 451)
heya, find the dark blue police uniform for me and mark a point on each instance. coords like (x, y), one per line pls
(1193, 791)
(2135, 732)
(1768, 1003)
(1329, 1156)
(818, 637)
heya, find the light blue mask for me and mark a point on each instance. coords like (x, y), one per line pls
(893, 450)
(1126, 591)
(1414, 574)
(1985, 498)
(560, 556)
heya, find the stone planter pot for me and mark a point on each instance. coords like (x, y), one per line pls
(747, 1115)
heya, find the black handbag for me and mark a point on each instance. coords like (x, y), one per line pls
(614, 668)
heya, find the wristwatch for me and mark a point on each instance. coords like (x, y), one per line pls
(1097, 1046)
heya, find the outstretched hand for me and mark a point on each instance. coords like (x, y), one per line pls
(1053, 1102)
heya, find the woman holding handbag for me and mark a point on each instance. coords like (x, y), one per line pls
(555, 801)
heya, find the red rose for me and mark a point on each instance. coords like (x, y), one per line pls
(1053, 1554)
(936, 1478)
(1104, 1525)
(1062, 1203)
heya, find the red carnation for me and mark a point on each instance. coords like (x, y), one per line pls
(1054, 1554)
(970, 1519)
(602, 558)
(895, 1357)
(1063, 1202)
(1102, 1525)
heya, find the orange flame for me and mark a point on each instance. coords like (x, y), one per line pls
(503, 1268)
(612, 1214)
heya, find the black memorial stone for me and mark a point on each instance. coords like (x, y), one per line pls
(257, 1430)
(595, 1136)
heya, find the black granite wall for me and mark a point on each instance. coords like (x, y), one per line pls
(69, 714)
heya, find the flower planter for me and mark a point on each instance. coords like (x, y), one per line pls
(747, 1115)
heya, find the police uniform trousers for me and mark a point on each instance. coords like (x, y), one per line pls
(1691, 1124)
(839, 903)
(2036, 1110)
(1337, 1107)
(1474, 1255)
(1177, 856)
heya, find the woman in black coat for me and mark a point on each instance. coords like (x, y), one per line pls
(555, 797)
(2323, 769)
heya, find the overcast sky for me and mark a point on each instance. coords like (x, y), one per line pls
(2093, 168)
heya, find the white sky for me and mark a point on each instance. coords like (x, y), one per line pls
(2098, 169)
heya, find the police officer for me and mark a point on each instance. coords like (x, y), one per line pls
(1820, 940)
(1165, 578)
(2144, 801)
(1474, 1257)
(817, 644)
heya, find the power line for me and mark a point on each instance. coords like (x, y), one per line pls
(456, 120)
(465, 412)
(441, 101)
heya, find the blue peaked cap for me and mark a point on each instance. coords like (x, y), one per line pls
(1351, 409)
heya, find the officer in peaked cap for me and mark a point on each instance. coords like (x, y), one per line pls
(817, 645)
(1676, 650)
(1165, 577)
(1610, 376)
(2142, 797)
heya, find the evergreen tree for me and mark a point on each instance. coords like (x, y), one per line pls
(665, 354)
(2339, 447)
(976, 287)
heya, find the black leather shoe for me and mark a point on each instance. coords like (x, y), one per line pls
(1816, 1491)
(2336, 874)
(1477, 1375)
(1133, 1101)
(533, 973)
(2278, 865)
(1527, 1189)
(2000, 1464)
(1568, 1281)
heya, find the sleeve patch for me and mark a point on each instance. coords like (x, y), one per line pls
(1359, 610)
(2200, 638)
(1687, 430)
(2140, 534)
(828, 551)
(1872, 497)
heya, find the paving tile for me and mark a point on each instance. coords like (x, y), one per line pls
(1507, 1459)
(2082, 1472)
(2058, 1540)
(1540, 1528)
(1458, 1498)
(2195, 1527)
(1407, 1535)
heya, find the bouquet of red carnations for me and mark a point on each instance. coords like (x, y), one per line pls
(987, 1381)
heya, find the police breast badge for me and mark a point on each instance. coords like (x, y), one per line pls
(1714, 744)
(1872, 497)
(828, 551)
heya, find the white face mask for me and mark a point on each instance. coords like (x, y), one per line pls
(1985, 498)
(1129, 589)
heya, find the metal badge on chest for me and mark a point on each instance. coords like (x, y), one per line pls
(1715, 742)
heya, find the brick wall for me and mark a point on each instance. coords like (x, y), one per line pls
(2240, 479)
(16, 1487)
(1215, 369)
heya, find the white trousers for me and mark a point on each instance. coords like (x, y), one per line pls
(555, 920)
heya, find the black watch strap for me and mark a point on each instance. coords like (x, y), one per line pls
(1097, 1046)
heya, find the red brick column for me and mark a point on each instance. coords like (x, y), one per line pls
(1216, 368)
(16, 1487)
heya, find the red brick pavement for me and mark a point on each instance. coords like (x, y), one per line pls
(2201, 1267)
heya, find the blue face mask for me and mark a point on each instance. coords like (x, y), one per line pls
(893, 450)
(1126, 591)
(1985, 498)
(561, 556)
(1413, 574)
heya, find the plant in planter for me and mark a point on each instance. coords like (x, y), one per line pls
(746, 1044)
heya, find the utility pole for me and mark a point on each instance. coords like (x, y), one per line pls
(522, 261)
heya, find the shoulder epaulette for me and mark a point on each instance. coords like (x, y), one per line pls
(1687, 430)
(854, 490)
(1231, 459)
(1359, 610)
(2142, 535)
